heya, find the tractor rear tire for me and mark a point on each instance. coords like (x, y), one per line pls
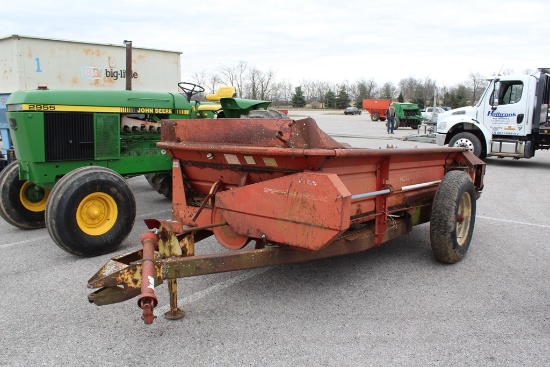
(375, 117)
(22, 204)
(91, 211)
(396, 124)
(453, 217)
(161, 182)
(266, 114)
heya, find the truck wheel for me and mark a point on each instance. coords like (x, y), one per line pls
(375, 116)
(467, 140)
(90, 212)
(453, 217)
(22, 204)
(161, 182)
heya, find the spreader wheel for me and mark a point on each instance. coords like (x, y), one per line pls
(91, 211)
(22, 204)
(225, 235)
(375, 117)
(453, 217)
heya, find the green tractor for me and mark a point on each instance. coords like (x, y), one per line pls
(75, 148)
(407, 115)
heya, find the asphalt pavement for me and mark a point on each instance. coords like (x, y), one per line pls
(390, 306)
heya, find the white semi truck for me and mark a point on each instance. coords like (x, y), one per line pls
(509, 120)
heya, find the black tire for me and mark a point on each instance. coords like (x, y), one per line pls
(453, 217)
(382, 119)
(161, 182)
(91, 211)
(414, 125)
(467, 140)
(22, 204)
(375, 117)
(396, 123)
(267, 114)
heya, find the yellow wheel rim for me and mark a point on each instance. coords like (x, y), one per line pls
(463, 219)
(33, 198)
(96, 214)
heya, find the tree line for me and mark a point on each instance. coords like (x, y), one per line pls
(253, 83)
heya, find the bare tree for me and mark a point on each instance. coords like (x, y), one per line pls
(265, 84)
(408, 87)
(427, 91)
(475, 83)
(234, 75)
(213, 81)
(200, 78)
(388, 91)
(286, 88)
(308, 88)
(253, 83)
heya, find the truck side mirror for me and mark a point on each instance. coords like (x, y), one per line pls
(496, 87)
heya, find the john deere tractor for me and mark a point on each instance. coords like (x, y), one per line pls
(75, 148)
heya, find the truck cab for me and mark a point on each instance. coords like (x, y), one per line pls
(509, 119)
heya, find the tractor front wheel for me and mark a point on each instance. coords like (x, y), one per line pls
(22, 204)
(91, 211)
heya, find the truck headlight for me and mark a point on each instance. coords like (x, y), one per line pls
(441, 126)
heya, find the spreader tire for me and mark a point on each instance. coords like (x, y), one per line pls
(22, 204)
(91, 211)
(161, 182)
(453, 217)
(375, 117)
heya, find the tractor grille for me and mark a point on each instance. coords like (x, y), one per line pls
(68, 136)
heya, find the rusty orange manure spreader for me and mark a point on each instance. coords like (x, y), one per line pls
(291, 193)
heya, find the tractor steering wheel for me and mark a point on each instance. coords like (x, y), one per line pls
(190, 89)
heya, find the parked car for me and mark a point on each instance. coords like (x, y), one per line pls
(352, 111)
(430, 113)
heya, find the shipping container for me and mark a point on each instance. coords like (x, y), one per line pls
(29, 62)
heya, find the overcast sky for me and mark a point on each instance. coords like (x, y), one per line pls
(320, 40)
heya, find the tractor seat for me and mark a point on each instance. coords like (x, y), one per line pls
(209, 107)
(223, 92)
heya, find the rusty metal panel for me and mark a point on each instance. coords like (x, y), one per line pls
(26, 62)
(304, 210)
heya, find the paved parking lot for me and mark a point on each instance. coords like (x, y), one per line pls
(391, 306)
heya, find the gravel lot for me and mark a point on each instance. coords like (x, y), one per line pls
(390, 306)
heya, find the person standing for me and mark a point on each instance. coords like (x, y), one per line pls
(390, 114)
